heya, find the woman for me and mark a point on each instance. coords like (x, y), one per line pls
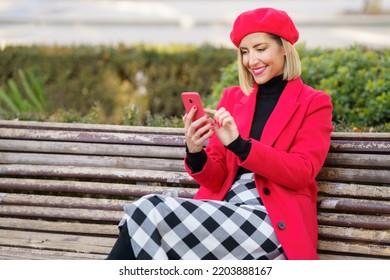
(267, 141)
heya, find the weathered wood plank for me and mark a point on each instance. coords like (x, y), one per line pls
(354, 175)
(92, 137)
(60, 213)
(15, 151)
(63, 201)
(328, 256)
(358, 248)
(89, 127)
(357, 221)
(329, 174)
(86, 229)
(86, 187)
(92, 161)
(374, 145)
(96, 173)
(358, 160)
(342, 204)
(12, 253)
(164, 130)
(354, 190)
(354, 234)
(56, 147)
(58, 242)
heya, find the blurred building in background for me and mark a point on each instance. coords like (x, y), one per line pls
(322, 23)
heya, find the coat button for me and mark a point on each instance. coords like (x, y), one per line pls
(266, 191)
(281, 225)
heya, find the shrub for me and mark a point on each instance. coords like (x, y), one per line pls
(149, 77)
(31, 99)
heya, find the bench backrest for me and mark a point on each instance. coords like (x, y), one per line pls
(83, 174)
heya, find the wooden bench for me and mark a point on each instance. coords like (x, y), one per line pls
(63, 186)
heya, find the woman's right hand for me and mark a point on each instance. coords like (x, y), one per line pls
(197, 132)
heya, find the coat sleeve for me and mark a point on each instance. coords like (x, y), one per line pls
(295, 161)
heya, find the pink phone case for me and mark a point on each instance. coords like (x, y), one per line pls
(191, 99)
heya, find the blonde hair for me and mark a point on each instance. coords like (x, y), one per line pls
(292, 65)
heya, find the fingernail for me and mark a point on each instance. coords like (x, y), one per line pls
(194, 107)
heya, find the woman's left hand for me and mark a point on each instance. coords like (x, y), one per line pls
(225, 127)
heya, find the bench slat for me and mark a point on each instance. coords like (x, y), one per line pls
(95, 173)
(59, 242)
(12, 253)
(89, 187)
(92, 161)
(358, 249)
(334, 189)
(354, 190)
(116, 154)
(331, 174)
(60, 213)
(354, 234)
(63, 201)
(372, 145)
(354, 205)
(354, 175)
(107, 230)
(93, 137)
(358, 221)
(328, 256)
(57, 147)
(358, 160)
(29, 125)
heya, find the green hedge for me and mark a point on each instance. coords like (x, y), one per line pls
(142, 84)
(108, 80)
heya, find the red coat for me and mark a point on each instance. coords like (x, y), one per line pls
(286, 161)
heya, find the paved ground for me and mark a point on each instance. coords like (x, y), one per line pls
(322, 23)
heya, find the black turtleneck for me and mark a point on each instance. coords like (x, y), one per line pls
(267, 97)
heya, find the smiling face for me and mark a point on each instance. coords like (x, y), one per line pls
(262, 56)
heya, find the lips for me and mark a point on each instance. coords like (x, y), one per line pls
(258, 71)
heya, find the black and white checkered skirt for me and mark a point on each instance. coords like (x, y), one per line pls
(165, 227)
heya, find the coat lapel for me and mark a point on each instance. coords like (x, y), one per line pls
(244, 110)
(285, 108)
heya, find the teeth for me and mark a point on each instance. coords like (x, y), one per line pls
(258, 70)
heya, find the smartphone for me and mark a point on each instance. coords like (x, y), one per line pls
(191, 99)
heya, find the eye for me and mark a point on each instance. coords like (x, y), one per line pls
(261, 49)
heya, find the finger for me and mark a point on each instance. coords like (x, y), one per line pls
(210, 111)
(189, 116)
(184, 118)
(220, 117)
(204, 129)
(227, 120)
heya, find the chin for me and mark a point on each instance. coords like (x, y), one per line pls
(261, 80)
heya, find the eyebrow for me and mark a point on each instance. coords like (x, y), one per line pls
(254, 46)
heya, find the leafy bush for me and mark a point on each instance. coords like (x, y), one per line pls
(31, 99)
(357, 79)
(149, 77)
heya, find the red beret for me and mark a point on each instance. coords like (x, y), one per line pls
(267, 20)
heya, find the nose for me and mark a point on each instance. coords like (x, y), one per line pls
(253, 59)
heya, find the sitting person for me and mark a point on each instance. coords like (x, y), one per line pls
(267, 141)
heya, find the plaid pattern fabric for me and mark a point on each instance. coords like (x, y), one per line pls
(164, 227)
